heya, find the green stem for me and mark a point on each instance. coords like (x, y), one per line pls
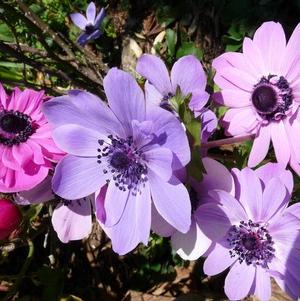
(23, 271)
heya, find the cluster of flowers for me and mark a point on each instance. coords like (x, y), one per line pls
(125, 160)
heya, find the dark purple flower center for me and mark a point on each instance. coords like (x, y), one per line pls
(89, 28)
(251, 242)
(272, 97)
(125, 162)
(15, 127)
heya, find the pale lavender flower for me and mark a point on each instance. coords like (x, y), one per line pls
(72, 220)
(254, 234)
(194, 243)
(133, 148)
(89, 24)
(261, 87)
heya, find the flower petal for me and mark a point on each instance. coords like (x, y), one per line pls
(114, 204)
(77, 177)
(74, 221)
(239, 280)
(99, 18)
(262, 284)
(172, 201)
(159, 225)
(91, 12)
(188, 74)
(134, 226)
(125, 97)
(153, 96)
(159, 160)
(79, 20)
(154, 70)
(218, 260)
(77, 140)
(260, 146)
(190, 245)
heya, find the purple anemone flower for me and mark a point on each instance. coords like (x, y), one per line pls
(254, 234)
(186, 74)
(132, 148)
(89, 24)
(72, 220)
(262, 91)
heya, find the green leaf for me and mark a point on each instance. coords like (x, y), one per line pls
(189, 48)
(171, 38)
(5, 34)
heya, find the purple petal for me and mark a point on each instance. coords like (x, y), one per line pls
(153, 96)
(159, 160)
(99, 18)
(160, 225)
(188, 74)
(270, 170)
(114, 204)
(39, 194)
(216, 176)
(198, 101)
(213, 221)
(125, 97)
(218, 260)
(273, 199)
(239, 280)
(191, 245)
(134, 226)
(171, 201)
(170, 134)
(260, 146)
(83, 39)
(142, 132)
(77, 140)
(84, 109)
(74, 221)
(99, 204)
(79, 20)
(77, 177)
(232, 207)
(209, 123)
(91, 13)
(262, 284)
(94, 35)
(251, 195)
(154, 70)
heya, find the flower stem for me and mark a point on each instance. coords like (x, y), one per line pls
(232, 140)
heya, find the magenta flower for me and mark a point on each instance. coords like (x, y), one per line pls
(133, 148)
(26, 147)
(254, 234)
(89, 24)
(72, 220)
(261, 88)
(10, 218)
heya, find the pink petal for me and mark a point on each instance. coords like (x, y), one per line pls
(234, 98)
(260, 146)
(270, 39)
(280, 142)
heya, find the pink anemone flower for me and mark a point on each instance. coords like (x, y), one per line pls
(26, 147)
